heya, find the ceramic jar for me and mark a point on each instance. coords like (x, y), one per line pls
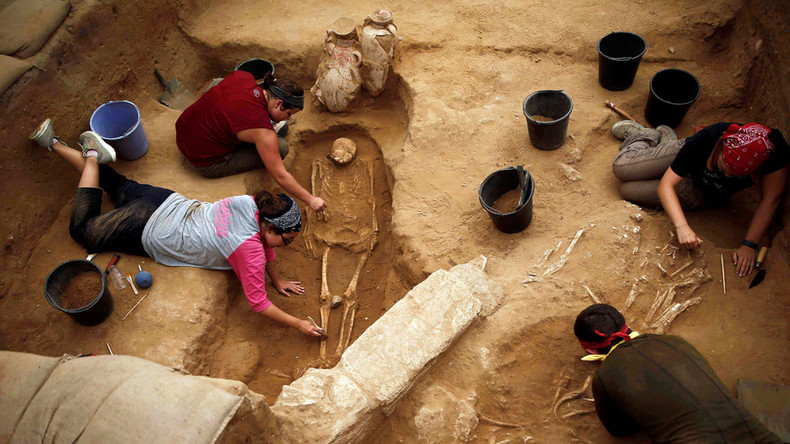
(338, 78)
(379, 39)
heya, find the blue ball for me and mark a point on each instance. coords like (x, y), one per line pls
(143, 279)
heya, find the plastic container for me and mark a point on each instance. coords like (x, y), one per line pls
(120, 125)
(97, 310)
(497, 184)
(619, 54)
(672, 92)
(257, 67)
(116, 277)
(556, 105)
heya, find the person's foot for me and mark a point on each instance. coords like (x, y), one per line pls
(625, 128)
(44, 134)
(665, 134)
(93, 143)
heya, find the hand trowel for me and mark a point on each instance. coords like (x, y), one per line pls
(176, 95)
(760, 271)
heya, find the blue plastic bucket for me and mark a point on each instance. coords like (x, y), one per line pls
(119, 124)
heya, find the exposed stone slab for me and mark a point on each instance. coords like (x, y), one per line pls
(346, 403)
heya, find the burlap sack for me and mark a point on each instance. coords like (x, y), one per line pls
(25, 25)
(21, 376)
(120, 399)
(10, 70)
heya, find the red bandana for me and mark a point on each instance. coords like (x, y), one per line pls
(593, 347)
(745, 148)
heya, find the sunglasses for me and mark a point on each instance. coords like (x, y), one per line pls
(286, 240)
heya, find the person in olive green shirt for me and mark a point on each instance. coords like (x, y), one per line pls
(660, 384)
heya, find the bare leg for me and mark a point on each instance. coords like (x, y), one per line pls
(90, 173)
(324, 299)
(72, 156)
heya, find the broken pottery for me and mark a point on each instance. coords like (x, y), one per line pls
(338, 77)
(379, 39)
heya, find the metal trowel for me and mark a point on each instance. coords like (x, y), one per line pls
(176, 95)
(760, 271)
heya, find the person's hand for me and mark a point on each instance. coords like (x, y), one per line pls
(743, 258)
(687, 237)
(317, 204)
(283, 287)
(309, 329)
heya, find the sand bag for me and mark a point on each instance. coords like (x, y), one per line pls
(10, 70)
(25, 25)
(21, 376)
(121, 399)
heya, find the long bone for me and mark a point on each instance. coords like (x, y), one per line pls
(349, 301)
(324, 298)
(572, 395)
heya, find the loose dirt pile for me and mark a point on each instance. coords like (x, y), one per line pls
(450, 115)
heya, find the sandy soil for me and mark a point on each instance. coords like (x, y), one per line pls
(451, 115)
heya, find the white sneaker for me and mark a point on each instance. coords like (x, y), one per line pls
(44, 134)
(625, 128)
(90, 141)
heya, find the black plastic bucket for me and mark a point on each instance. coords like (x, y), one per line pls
(672, 92)
(619, 54)
(257, 67)
(499, 183)
(97, 310)
(556, 105)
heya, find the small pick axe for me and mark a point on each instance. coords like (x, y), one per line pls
(760, 271)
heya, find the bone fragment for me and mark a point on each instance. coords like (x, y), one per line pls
(555, 267)
(564, 383)
(656, 304)
(592, 295)
(668, 299)
(487, 420)
(572, 395)
(545, 257)
(688, 264)
(578, 412)
(660, 267)
(324, 299)
(631, 294)
(669, 316)
(336, 301)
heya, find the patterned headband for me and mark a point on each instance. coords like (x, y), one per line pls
(288, 220)
(290, 99)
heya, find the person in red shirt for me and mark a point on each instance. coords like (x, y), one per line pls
(229, 130)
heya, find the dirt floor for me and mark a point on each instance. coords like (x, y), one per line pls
(451, 115)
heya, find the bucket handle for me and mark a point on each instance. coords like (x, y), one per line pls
(522, 179)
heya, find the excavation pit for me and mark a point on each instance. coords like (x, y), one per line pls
(449, 116)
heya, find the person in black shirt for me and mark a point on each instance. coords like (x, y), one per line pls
(660, 384)
(704, 170)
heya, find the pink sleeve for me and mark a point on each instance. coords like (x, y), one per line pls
(249, 263)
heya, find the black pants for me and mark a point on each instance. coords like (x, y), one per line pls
(118, 230)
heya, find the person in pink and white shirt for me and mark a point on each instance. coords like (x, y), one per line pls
(238, 233)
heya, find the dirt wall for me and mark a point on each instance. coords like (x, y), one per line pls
(768, 90)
